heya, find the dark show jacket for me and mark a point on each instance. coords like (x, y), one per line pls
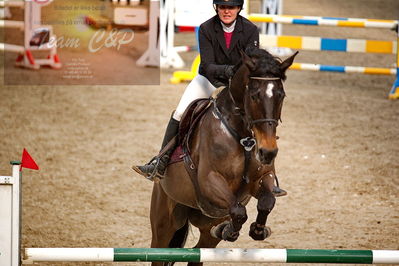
(214, 54)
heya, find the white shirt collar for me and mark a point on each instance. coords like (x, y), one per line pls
(228, 29)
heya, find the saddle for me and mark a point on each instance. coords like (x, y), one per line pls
(188, 124)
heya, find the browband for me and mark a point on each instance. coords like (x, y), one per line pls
(264, 78)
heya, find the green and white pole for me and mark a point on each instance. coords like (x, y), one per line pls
(212, 255)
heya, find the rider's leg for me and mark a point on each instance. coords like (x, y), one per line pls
(199, 87)
(158, 164)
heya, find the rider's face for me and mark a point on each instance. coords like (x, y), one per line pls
(227, 14)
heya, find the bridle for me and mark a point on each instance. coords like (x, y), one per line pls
(238, 110)
(251, 122)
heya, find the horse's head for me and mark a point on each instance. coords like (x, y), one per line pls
(263, 99)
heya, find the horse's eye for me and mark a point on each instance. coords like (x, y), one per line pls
(255, 84)
(254, 93)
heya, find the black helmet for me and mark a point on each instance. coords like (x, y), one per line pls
(229, 2)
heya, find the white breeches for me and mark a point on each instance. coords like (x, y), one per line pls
(199, 87)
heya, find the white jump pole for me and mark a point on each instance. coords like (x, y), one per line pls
(11, 48)
(151, 56)
(10, 208)
(169, 56)
(12, 24)
(14, 3)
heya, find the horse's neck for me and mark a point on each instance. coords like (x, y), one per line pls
(234, 93)
(231, 100)
(238, 85)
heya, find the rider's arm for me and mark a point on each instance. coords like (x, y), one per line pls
(208, 60)
(253, 36)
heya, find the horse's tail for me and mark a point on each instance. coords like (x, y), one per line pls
(180, 237)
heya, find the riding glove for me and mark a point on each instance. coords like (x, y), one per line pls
(229, 71)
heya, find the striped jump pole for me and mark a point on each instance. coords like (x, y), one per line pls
(330, 44)
(344, 69)
(211, 255)
(337, 45)
(324, 21)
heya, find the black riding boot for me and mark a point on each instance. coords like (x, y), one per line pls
(158, 164)
(277, 191)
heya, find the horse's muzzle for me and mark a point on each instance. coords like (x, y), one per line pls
(266, 156)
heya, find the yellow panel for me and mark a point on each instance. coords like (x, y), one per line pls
(259, 19)
(195, 65)
(295, 66)
(293, 42)
(375, 70)
(346, 23)
(382, 20)
(379, 47)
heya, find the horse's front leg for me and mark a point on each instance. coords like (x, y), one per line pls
(223, 199)
(266, 201)
(238, 214)
(229, 230)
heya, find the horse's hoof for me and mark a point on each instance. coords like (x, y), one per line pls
(259, 233)
(217, 230)
(229, 234)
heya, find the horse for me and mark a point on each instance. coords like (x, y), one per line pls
(232, 151)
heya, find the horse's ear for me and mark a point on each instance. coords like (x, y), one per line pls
(248, 61)
(288, 62)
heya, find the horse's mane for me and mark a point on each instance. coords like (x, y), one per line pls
(266, 64)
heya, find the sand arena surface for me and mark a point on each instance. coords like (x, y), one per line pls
(338, 157)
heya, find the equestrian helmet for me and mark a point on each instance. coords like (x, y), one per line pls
(229, 2)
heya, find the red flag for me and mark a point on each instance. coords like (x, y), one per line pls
(27, 161)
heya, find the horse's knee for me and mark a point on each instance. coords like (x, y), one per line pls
(238, 215)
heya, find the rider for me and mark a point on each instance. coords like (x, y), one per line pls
(220, 40)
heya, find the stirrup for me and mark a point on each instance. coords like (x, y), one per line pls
(279, 192)
(150, 176)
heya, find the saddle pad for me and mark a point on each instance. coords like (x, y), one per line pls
(177, 155)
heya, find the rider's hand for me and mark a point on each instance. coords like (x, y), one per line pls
(229, 71)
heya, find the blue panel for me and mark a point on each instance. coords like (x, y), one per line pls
(305, 21)
(197, 37)
(335, 18)
(395, 86)
(333, 44)
(332, 68)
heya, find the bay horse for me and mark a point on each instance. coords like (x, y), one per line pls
(232, 153)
